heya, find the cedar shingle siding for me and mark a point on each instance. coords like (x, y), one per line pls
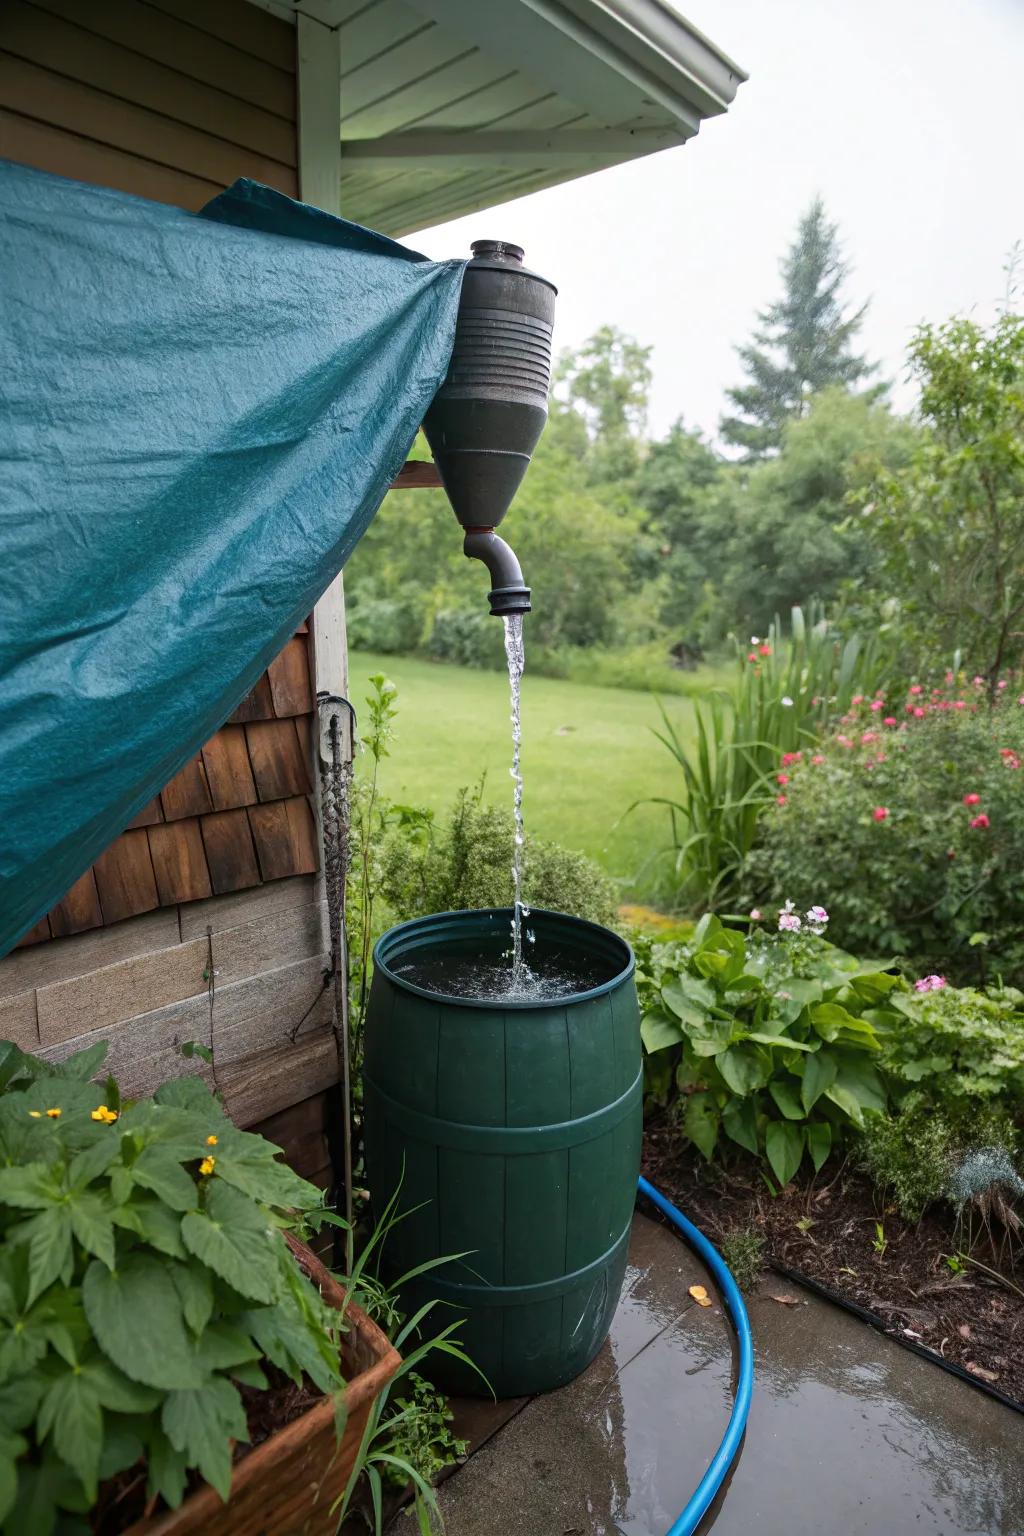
(213, 881)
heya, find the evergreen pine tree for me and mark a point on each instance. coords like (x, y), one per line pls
(803, 342)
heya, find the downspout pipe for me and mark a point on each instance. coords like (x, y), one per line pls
(509, 593)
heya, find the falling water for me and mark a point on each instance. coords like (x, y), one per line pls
(516, 656)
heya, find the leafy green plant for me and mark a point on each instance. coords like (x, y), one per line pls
(962, 1051)
(144, 1275)
(743, 1252)
(880, 1242)
(770, 1040)
(465, 862)
(418, 1431)
(780, 702)
(913, 812)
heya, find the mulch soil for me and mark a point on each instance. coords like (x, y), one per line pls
(824, 1227)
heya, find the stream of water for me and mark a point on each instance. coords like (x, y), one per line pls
(515, 654)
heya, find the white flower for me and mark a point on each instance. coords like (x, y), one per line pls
(787, 702)
(755, 639)
(789, 922)
(817, 915)
(789, 906)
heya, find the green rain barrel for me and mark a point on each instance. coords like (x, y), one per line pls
(513, 1130)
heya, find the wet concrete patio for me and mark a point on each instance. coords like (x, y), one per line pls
(848, 1433)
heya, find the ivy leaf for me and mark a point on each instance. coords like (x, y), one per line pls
(70, 1412)
(233, 1238)
(819, 1074)
(157, 1169)
(819, 1142)
(201, 1425)
(700, 1122)
(784, 1144)
(93, 1227)
(739, 1120)
(137, 1321)
(787, 1097)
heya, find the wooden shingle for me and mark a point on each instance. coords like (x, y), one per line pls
(179, 862)
(285, 837)
(278, 761)
(228, 771)
(125, 879)
(289, 680)
(230, 854)
(150, 814)
(258, 704)
(188, 793)
(78, 910)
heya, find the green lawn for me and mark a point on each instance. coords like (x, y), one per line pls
(588, 753)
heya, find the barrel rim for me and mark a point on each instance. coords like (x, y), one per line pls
(524, 1005)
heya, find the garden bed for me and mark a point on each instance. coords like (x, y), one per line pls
(825, 1227)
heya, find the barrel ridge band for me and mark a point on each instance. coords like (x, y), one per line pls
(518, 1139)
(454, 1293)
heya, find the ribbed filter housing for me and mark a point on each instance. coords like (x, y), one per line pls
(486, 418)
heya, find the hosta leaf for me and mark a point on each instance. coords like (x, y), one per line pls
(675, 998)
(92, 1226)
(70, 1412)
(847, 1101)
(858, 1076)
(819, 1142)
(157, 1169)
(658, 1031)
(739, 1121)
(784, 1145)
(786, 1093)
(136, 1317)
(744, 1068)
(700, 1122)
(233, 1238)
(200, 1425)
(782, 1040)
(819, 1074)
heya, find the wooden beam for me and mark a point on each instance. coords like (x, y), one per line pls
(417, 475)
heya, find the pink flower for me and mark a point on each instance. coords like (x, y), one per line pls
(790, 757)
(919, 713)
(877, 704)
(1021, 699)
(789, 922)
(1001, 683)
(980, 823)
(782, 778)
(916, 688)
(960, 704)
(929, 984)
(949, 677)
(817, 915)
(764, 650)
(844, 741)
(880, 813)
(868, 737)
(889, 720)
(979, 682)
(858, 698)
(781, 800)
(817, 759)
(972, 799)
(756, 914)
(752, 656)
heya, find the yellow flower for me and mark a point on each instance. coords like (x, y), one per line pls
(101, 1112)
(207, 1165)
(54, 1114)
(36, 1114)
(211, 1141)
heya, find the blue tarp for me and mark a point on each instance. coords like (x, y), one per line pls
(199, 415)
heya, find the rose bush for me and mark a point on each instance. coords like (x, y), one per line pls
(910, 819)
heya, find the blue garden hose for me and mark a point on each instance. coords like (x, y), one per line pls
(700, 1500)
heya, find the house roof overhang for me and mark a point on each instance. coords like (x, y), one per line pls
(447, 106)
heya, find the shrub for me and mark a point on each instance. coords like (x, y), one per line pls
(918, 826)
(466, 862)
(959, 1050)
(390, 625)
(770, 1038)
(913, 1157)
(778, 706)
(143, 1276)
(468, 637)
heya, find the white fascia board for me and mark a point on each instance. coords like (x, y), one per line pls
(581, 148)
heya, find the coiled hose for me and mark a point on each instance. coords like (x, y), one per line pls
(700, 1500)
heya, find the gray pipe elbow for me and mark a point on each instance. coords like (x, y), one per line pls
(508, 593)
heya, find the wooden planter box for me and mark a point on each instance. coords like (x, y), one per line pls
(287, 1485)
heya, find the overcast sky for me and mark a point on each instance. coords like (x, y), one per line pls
(907, 116)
